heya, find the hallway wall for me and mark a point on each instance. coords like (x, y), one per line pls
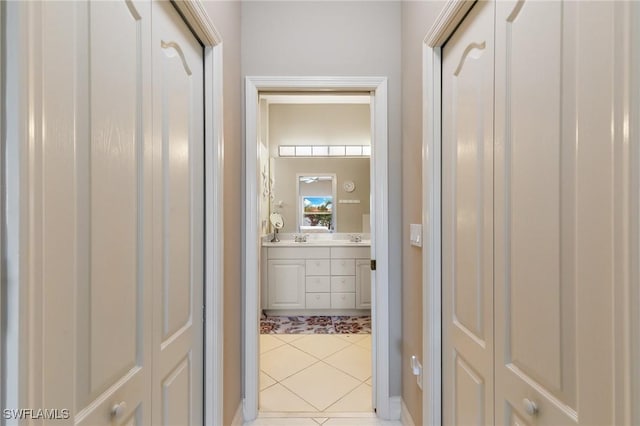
(417, 18)
(226, 17)
(339, 38)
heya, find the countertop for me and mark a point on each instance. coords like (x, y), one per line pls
(318, 243)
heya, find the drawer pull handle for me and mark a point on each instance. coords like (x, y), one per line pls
(118, 410)
(530, 407)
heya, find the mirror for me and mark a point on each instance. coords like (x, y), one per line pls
(321, 185)
(277, 221)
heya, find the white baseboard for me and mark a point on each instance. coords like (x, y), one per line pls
(238, 418)
(405, 416)
(395, 407)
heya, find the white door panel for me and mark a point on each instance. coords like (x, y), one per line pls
(178, 197)
(114, 195)
(536, 213)
(116, 214)
(113, 219)
(467, 176)
(550, 174)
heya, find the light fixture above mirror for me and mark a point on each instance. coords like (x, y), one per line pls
(324, 150)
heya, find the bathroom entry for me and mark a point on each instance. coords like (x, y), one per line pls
(315, 278)
(363, 247)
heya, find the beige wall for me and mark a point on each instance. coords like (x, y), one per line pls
(226, 17)
(365, 38)
(327, 124)
(336, 38)
(355, 169)
(417, 18)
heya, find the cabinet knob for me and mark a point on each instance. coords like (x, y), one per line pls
(530, 407)
(118, 410)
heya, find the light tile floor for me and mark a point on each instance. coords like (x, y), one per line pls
(316, 379)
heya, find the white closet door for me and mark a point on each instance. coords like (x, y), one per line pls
(178, 205)
(554, 213)
(91, 212)
(467, 215)
(112, 208)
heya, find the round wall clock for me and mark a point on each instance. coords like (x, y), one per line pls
(349, 186)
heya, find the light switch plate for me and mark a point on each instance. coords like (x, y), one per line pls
(415, 234)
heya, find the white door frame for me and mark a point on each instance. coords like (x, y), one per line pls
(379, 215)
(22, 316)
(634, 135)
(445, 24)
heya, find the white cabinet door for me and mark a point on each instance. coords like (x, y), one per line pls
(178, 205)
(467, 217)
(286, 284)
(363, 284)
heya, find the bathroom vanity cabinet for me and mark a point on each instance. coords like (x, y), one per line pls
(317, 280)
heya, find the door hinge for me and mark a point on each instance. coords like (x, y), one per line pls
(373, 264)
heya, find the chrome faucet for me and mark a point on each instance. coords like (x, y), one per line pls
(355, 238)
(300, 238)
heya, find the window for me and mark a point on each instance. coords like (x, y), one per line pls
(316, 211)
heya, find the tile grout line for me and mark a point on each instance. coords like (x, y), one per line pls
(299, 396)
(318, 359)
(326, 356)
(341, 398)
(345, 372)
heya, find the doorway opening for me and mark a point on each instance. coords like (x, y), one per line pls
(315, 220)
(315, 278)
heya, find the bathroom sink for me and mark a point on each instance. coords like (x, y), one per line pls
(319, 243)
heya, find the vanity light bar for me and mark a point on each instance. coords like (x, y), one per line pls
(324, 151)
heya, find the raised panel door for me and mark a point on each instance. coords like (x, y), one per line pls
(103, 182)
(92, 211)
(467, 217)
(286, 284)
(554, 186)
(179, 227)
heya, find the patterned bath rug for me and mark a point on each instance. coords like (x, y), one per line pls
(315, 324)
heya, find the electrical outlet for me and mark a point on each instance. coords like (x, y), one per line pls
(416, 368)
(415, 234)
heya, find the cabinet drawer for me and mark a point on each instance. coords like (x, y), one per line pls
(318, 300)
(343, 267)
(343, 284)
(318, 267)
(350, 252)
(298, 253)
(343, 300)
(318, 284)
